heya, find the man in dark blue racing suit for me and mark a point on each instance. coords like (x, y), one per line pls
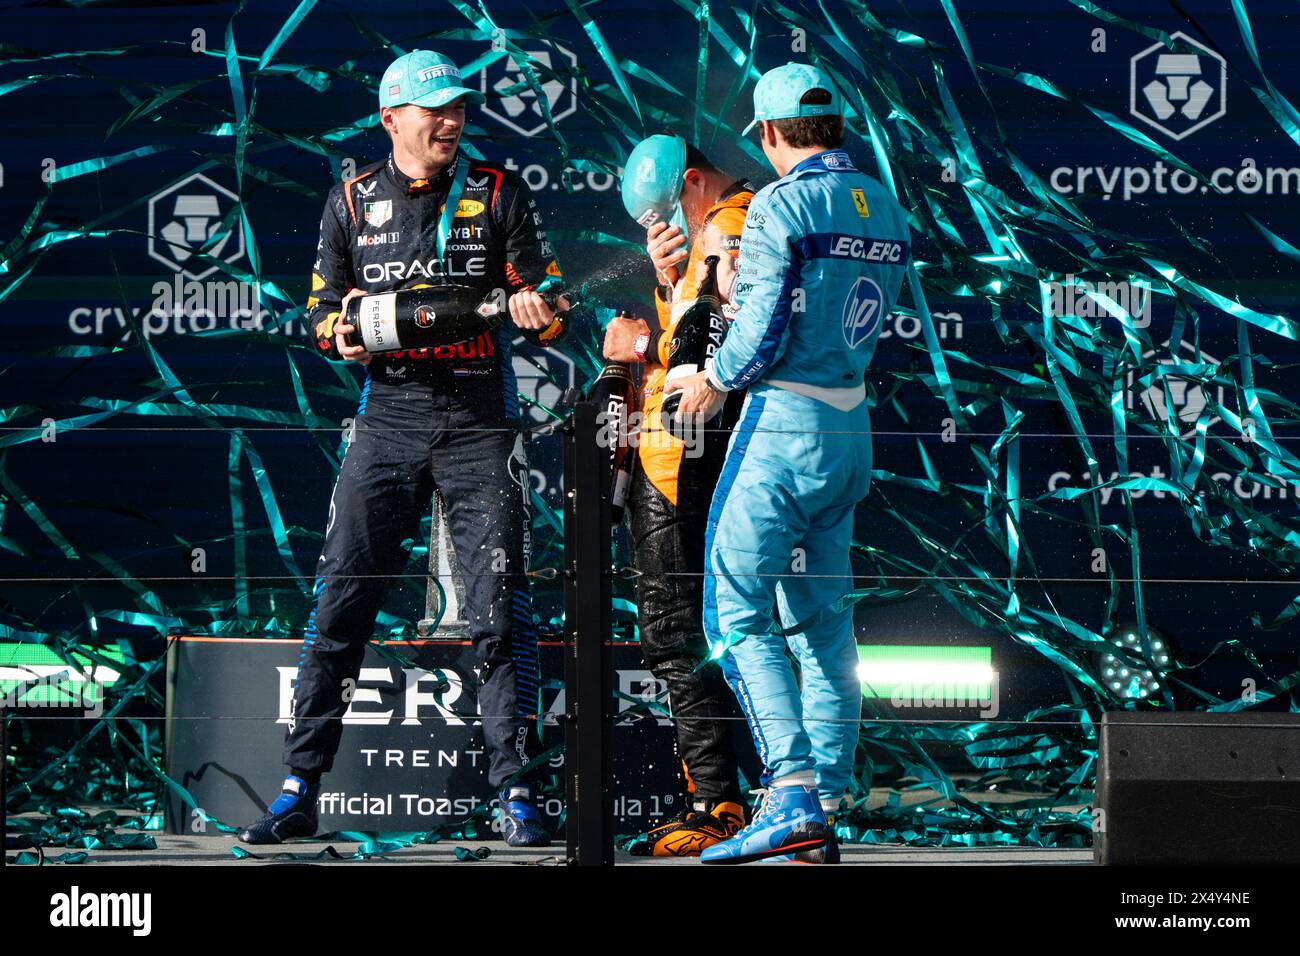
(443, 419)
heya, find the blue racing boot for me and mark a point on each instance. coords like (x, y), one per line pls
(828, 853)
(521, 821)
(293, 814)
(790, 821)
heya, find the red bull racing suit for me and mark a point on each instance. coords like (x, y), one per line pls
(445, 420)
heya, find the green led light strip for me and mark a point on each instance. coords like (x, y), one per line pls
(912, 670)
(54, 680)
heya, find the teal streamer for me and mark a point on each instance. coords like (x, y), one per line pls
(1278, 105)
(905, 141)
(286, 30)
(607, 55)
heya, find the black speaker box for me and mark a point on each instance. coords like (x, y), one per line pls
(1195, 788)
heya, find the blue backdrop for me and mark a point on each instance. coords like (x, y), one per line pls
(1052, 470)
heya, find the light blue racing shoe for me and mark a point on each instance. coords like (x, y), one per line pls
(790, 821)
(830, 853)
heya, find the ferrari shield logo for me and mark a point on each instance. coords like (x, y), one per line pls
(860, 202)
(379, 212)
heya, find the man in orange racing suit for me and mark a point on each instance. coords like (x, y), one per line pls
(667, 179)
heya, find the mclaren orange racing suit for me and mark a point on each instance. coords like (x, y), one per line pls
(670, 500)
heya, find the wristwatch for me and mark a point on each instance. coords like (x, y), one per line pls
(641, 345)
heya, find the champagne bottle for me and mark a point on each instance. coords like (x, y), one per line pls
(430, 316)
(698, 335)
(615, 395)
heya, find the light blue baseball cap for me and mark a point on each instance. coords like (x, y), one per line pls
(778, 92)
(652, 180)
(424, 78)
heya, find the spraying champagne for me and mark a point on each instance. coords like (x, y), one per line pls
(432, 316)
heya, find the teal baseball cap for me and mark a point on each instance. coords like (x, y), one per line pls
(778, 92)
(424, 78)
(652, 180)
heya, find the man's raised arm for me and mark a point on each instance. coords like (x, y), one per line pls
(762, 294)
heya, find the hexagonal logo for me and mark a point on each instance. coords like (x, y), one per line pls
(1178, 91)
(541, 378)
(1188, 395)
(521, 110)
(186, 218)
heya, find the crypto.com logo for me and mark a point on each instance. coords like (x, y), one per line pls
(185, 219)
(1188, 396)
(541, 377)
(522, 110)
(1178, 93)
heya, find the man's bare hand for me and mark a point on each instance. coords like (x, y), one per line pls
(698, 396)
(665, 244)
(530, 311)
(620, 335)
(353, 353)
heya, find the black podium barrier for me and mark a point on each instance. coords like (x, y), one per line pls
(588, 721)
(1188, 788)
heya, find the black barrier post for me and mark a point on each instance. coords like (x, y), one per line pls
(588, 688)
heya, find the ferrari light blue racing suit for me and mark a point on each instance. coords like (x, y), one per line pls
(822, 258)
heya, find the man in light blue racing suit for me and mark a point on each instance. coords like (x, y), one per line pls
(822, 258)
